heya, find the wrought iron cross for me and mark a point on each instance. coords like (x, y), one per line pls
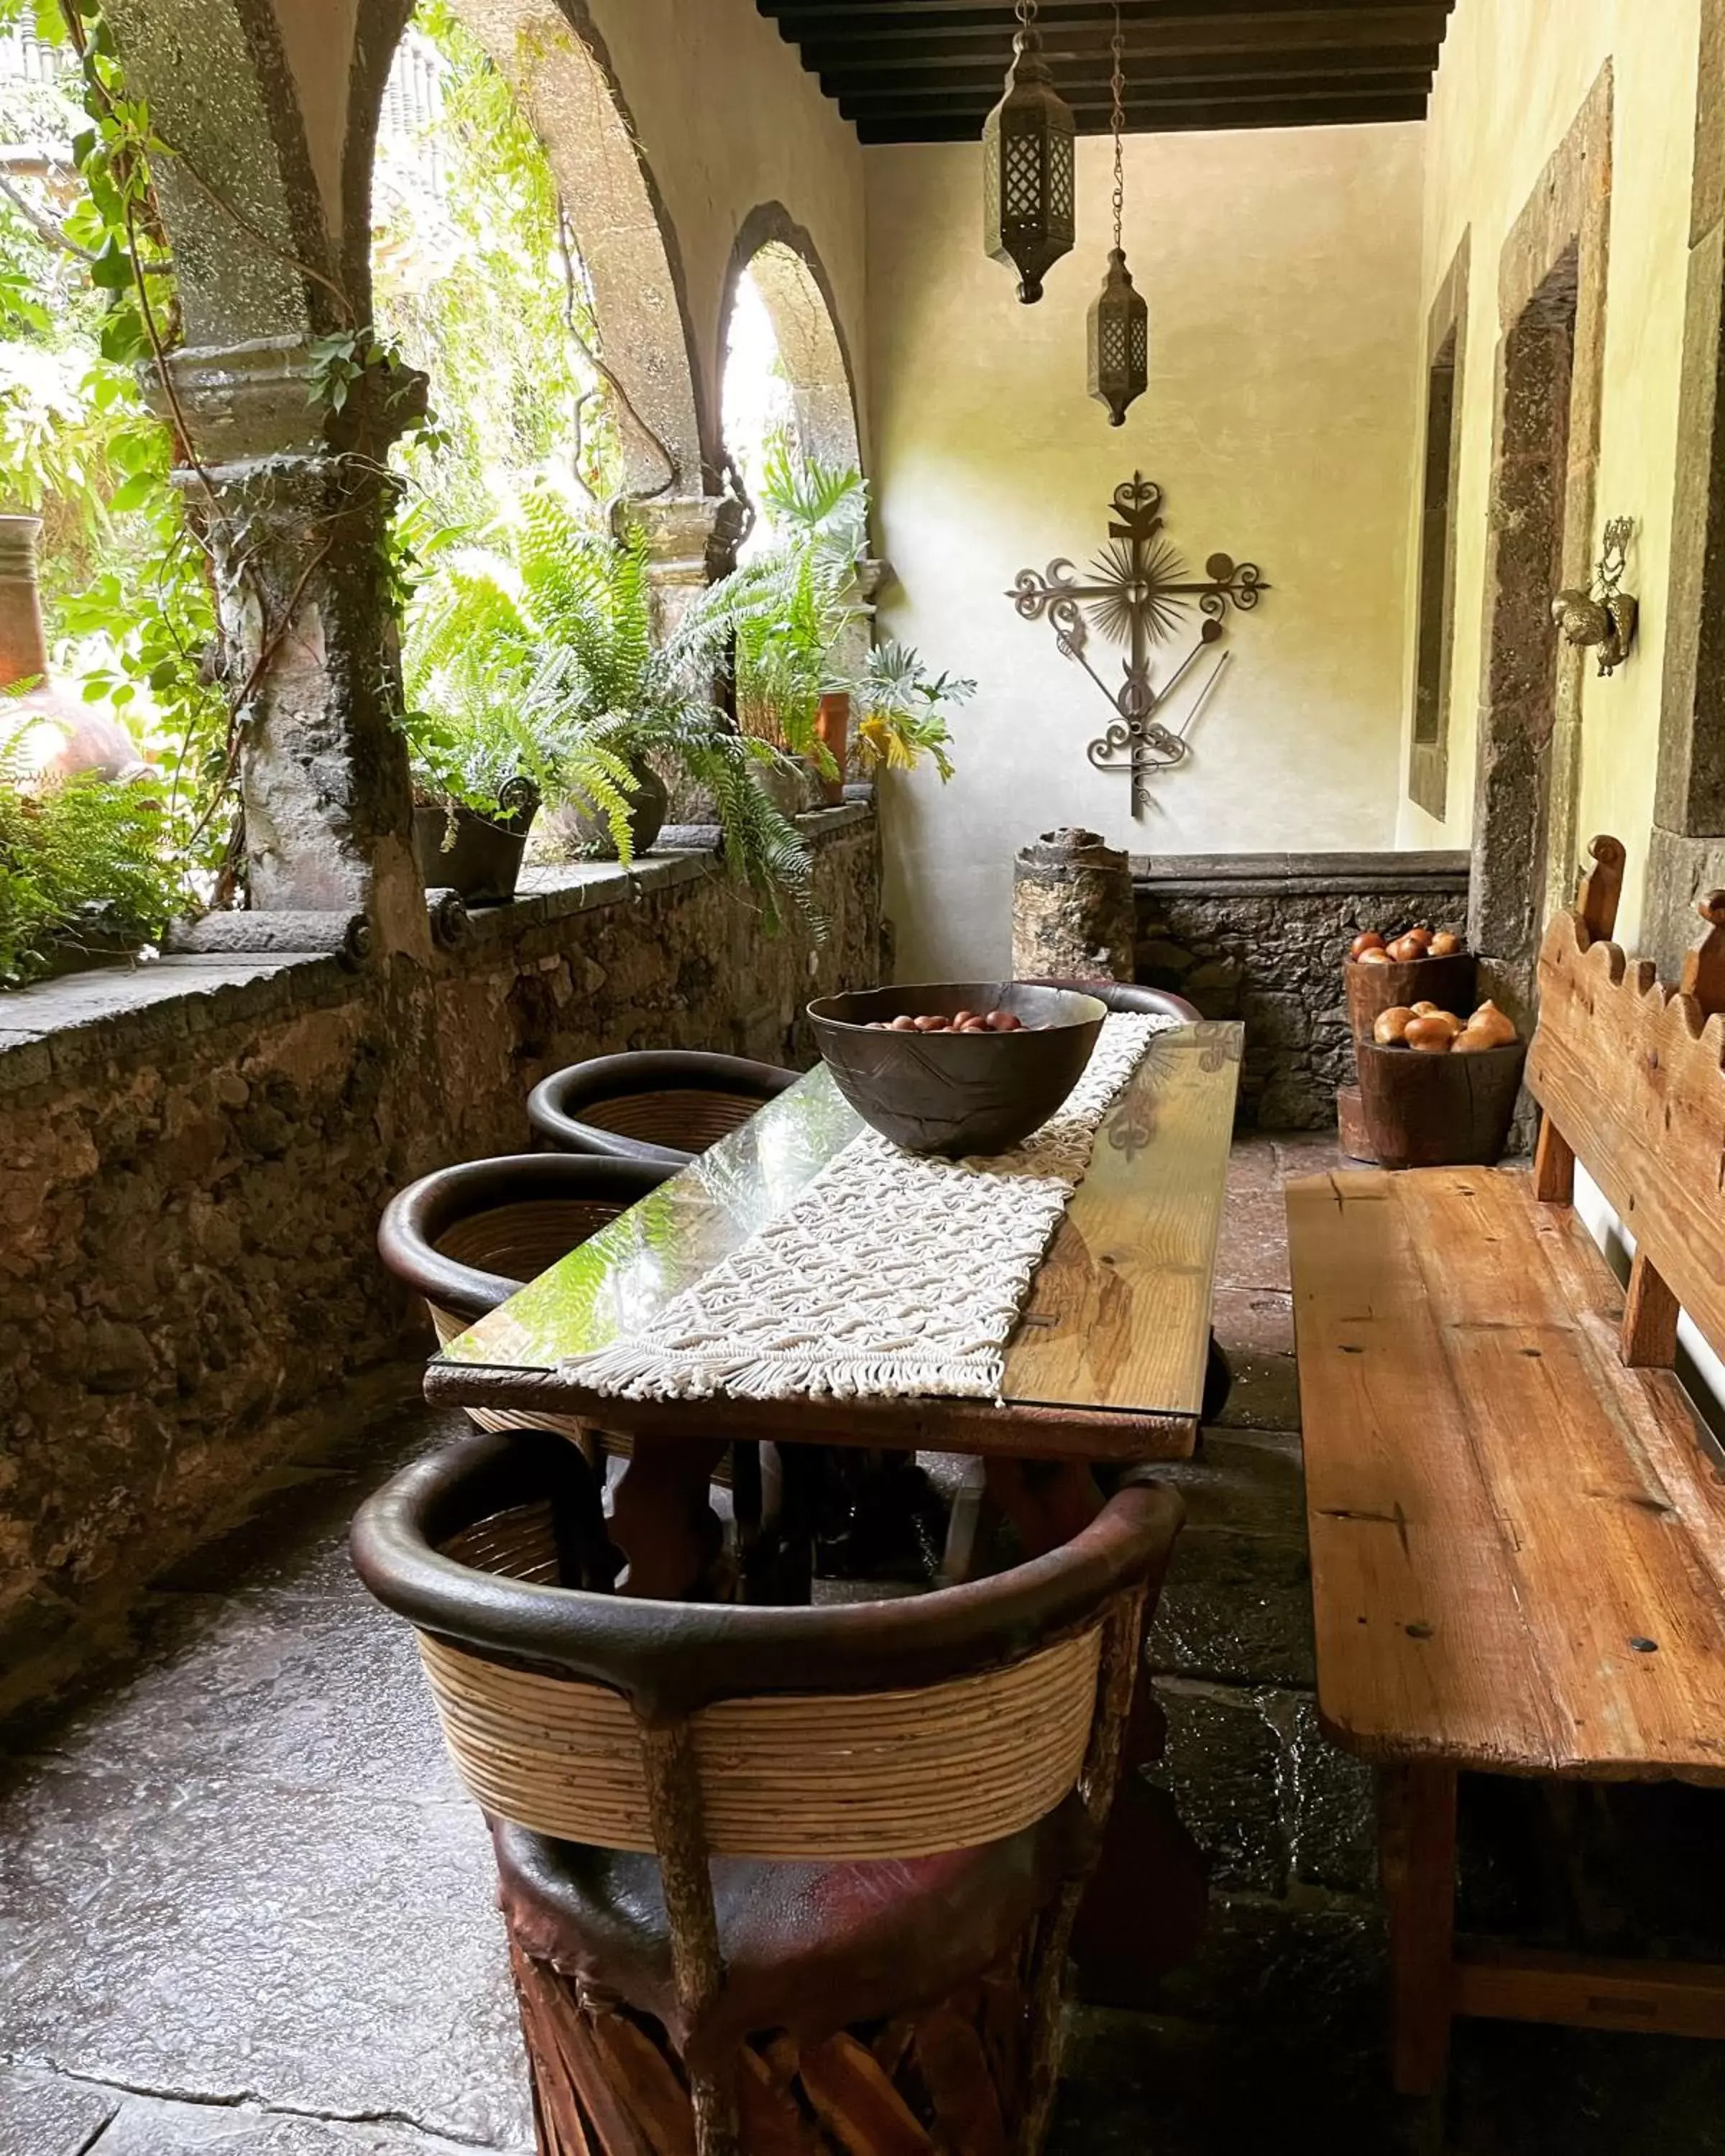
(1138, 594)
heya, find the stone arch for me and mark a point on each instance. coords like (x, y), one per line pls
(238, 196)
(794, 283)
(553, 59)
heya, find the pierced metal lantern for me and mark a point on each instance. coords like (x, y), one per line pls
(1119, 341)
(1028, 157)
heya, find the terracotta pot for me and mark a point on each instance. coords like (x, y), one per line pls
(832, 726)
(581, 834)
(456, 849)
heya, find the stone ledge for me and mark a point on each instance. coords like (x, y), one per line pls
(57, 1029)
(1299, 875)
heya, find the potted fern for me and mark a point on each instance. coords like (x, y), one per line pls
(540, 653)
(805, 670)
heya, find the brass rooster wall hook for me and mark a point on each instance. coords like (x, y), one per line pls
(1604, 618)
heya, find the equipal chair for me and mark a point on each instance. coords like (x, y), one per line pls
(661, 1105)
(467, 1238)
(774, 1875)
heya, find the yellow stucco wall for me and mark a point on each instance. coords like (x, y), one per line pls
(1514, 74)
(1282, 275)
(723, 109)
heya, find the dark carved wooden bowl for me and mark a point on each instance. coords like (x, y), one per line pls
(957, 1093)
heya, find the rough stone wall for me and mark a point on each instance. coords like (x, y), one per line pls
(193, 1158)
(1260, 938)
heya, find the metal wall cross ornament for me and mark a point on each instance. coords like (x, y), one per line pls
(1138, 596)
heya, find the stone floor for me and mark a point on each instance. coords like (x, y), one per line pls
(244, 1907)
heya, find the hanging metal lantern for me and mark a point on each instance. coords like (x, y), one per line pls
(1119, 319)
(1119, 341)
(1028, 157)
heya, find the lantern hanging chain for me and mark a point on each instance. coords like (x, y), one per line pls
(1118, 123)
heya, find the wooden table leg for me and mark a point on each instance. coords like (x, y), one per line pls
(1416, 1829)
(1143, 1912)
(663, 1521)
(1047, 1500)
(969, 1527)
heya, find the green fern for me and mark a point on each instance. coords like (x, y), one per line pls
(543, 659)
(85, 864)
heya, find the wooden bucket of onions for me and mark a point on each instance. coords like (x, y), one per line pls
(1437, 1091)
(1421, 966)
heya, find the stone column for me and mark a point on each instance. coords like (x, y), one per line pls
(295, 504)
(691, 542)
(1072, 909)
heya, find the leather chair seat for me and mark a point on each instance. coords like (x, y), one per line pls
(809, 1947)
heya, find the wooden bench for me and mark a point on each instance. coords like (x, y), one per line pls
(1517, 1521)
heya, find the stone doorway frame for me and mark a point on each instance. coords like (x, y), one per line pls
(1435, 645)
(1549, 377)
(1687, 852)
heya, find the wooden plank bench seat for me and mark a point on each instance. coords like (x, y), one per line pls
(1517, 1521)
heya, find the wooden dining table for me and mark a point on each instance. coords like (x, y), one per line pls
(1107, 1364)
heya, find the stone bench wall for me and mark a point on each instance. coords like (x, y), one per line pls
(193, 1156)
(1261, 936)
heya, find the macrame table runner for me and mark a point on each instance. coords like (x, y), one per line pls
(892, 1274)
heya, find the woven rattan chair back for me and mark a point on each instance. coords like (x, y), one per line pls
(873, 1730)
(466, 1238)
(877, 1730)
(663, 1105)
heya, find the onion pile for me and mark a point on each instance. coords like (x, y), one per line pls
(1430, 1031)
(1371, 949)
(964, 1021)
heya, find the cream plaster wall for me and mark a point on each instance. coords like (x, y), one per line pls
(1283, 273)
(724, 112)
(1514, 74)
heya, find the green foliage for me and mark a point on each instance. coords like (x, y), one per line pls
(82, 865)
(127, 597)
(794, 610)
(543, 659)
(478, 645)
(489, 297)
(901, 709)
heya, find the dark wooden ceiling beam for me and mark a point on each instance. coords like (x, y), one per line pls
(912, 64)
(1098, 103)
(968, 57)
(1057, 11)
(1191, 119)
(1337, 21)
(1219, 77)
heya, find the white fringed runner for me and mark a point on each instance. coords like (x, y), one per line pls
(892, 1274)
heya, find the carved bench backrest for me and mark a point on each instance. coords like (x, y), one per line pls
(1630, 1075)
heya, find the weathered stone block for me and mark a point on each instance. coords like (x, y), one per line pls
(1236, 1610)
(1335, 1805)
(1264, 938)
(195, 1206)
(1225, 1768)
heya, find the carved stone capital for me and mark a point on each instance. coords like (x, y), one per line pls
(691, 539)
(240, 403)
